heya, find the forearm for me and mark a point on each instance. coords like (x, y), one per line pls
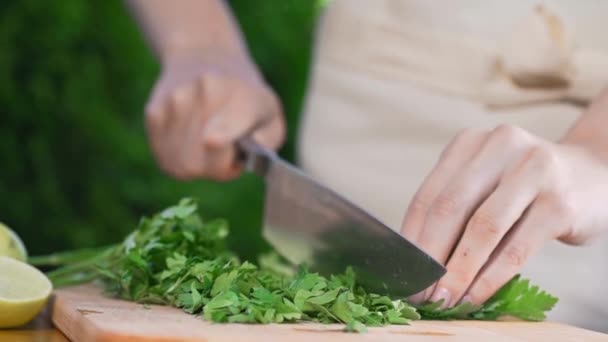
(188, 28)
(591, 129)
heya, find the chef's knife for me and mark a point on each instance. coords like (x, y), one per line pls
(308, 223)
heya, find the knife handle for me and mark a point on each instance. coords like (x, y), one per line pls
(255, 157)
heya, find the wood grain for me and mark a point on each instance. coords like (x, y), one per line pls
(39, 330)
(83, 314)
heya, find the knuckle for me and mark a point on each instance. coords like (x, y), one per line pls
(541, 162)
(154, 116)
(542, 157)
(572, 236)
(419, 205)
(485, 224)
(181, 97)
(559, 206)
(540, 153)
(465, 138)
(507, 130)
(460, 278)
(212, 83)
(515, 254)
(507, 134)
(206, 84)
(466, 133)
(445, 205)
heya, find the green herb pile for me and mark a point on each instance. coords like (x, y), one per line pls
(176, 258)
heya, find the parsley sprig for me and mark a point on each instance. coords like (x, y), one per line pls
(175, 258)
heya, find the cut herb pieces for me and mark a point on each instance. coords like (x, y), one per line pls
(176, 258)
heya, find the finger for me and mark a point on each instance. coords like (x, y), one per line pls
(182, 100)
(271, 134)
(453, 158)
(224, 129)
(158, 113)
(222, 162)
(245, 112)
(157, 109)
(159, 137)
(155, 125)
(215, 89)
(545, 220)
(485, 229)
(466, 189)
(454, 206)
(186, 120)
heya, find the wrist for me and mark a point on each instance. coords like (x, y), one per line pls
(218, 58)
(175, 52)
(586, 146)
(589, 132)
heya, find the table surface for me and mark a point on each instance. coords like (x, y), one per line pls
(41, 329)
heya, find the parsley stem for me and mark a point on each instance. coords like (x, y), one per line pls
(68, 257)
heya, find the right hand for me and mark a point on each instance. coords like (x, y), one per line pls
(199, 108)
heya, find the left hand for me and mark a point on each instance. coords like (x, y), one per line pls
(493, 199)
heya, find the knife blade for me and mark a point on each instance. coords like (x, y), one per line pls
(308, 223)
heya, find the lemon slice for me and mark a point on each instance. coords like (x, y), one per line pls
(10, 244)
(24, 291)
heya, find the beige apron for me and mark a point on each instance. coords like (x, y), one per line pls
(395, 80)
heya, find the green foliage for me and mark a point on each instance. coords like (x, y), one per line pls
(177, 258)
(74, 75)
(517, 298)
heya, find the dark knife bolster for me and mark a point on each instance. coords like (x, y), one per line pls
(255, 157)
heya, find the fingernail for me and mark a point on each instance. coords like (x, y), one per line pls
(466, 299)
(442, 294)
(429, 292)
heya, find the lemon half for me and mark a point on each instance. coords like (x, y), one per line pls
(24, 291)
(10, 244)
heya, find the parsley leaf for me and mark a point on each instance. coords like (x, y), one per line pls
(518, 299)
(177, 258)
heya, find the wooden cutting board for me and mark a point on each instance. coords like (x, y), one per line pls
(84, 314)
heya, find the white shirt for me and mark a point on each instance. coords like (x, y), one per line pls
(395, 80)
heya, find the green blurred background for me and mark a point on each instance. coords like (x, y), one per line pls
(74, 75)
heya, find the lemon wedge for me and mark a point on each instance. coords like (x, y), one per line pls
(24, 291)
(11, 245)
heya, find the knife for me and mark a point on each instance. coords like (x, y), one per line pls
(307, 223)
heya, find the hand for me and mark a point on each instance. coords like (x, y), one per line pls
(198, 110)
(493, 199)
